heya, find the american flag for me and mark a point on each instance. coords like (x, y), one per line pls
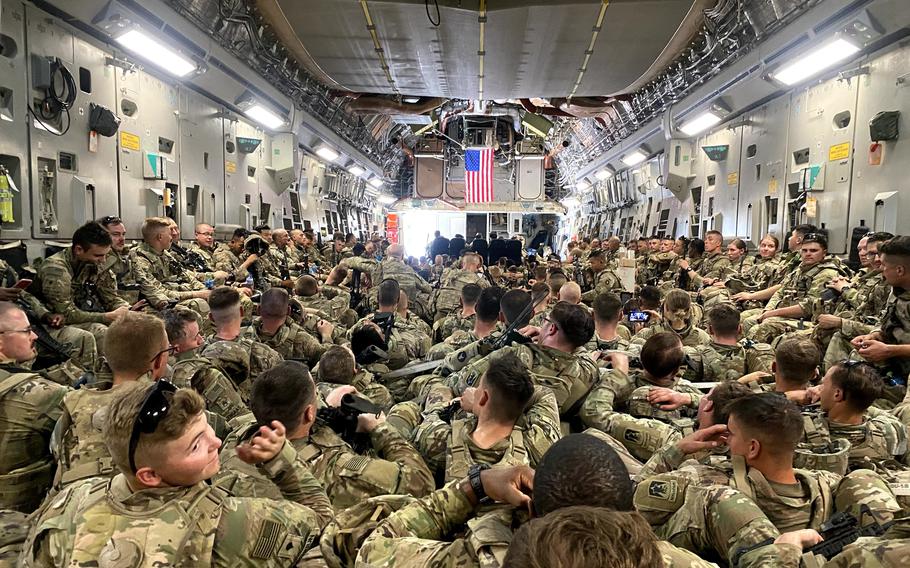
(478, 175)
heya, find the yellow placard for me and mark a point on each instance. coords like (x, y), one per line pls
(839, 152)
(732, 178)
(230, 167)
(811, 207)
(129, 141)
(772, 186)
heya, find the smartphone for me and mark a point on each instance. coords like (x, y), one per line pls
(23, 284)
(638, 316)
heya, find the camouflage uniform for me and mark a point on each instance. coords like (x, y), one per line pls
(276, 265)
(879, 438)
(242, 359)
(29, 407)
(290, 341)
(367, 386)
(717, 363)
(339, 294)
(413, 536)
(443, 328)
(224, 259)
(817, 496)
(448, 296)
(571, 376)
(207, 255)
(619, 343)
(449, 448)
(801, 287)
(103, 522)
(333, 257)
(82, 346)
(604, 281)
(714, 265)
(406, 343)
(328, 309)
(887, 551)
(611, 408)
(118, 262)
(457, 340)
(162, 278)
(690, 336)
(347, 476)
(205, 376)
(78, 442)
(411, 283)
(81, 292)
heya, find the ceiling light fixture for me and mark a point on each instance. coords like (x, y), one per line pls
(582, 185)
(265, 117)
(570, 202)
(815, 61)
(147, 47)
(634, 158)
(376, 182)
(356, 170)
(603, 174)
(700, 123)
(327, 153)
(386, 199)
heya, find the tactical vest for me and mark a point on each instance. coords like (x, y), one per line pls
(24, 488)
(821, 452)
(83, 451)
(801, 283)
(753, 485)
(221, 395)
(459, 458)
(347, 532)
(181, 532)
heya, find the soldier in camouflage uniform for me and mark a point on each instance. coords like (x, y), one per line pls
(160, 276)
(611, 407)
(276, 264)
(335, 252)
(505, 421)
(859, 305)
(609, 335)
(886, 551)
(763, 431)
(727, 357)
(578, 470)
(605, 278)
(715, 263)
(452, 283)
(741, 265)
(394, 267)
(80, 344)
(554, 359)
(74, 283)
(160, 497)
(462, 319)
(118, 260)
(232, 258)
(846, 394)
(239, 356)
(796, 302)
(485, 321)
(275, 328)
(202, 374)
(307, 294)
(338, 367)
(29, 407)
(138, 350)
(204, 247)
(680, 317)
(287, 394)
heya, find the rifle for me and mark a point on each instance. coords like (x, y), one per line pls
(60, 353)
(195, 261)
(838, 531)
(386, 322)
(579, 274)
(343, 420)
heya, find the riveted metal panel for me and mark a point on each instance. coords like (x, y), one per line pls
(14, 121)
(201, 160)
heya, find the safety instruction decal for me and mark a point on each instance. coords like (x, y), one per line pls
(839, 152)
(129, 141)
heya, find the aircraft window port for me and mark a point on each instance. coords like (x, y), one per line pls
(842, 120)
(85, 80)
(751, 150)
(8, 47)
(229, 147)
(711, 180)
(129, 108)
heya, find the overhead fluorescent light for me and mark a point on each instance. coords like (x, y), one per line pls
(386, 199)
(582, 185)
(700, 123)
(411, 100)
(634, 158)
(603, 174)
(530, 157)
(376, 182)
(815, 61)
(327, 153)
(570, 202)
(147, 47)
(265, 117)
(356, 170)
(428, 155)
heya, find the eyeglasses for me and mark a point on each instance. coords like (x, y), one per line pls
(110, 220)
(28, 329)
(169, 350)
(153, 410)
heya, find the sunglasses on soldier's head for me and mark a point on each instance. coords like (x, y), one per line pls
(153, 410)
(110, 220)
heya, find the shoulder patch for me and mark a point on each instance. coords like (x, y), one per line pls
(269, 535)
(462, 356)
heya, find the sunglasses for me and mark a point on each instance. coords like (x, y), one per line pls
(169, 350)
(110, 220)
(153, 410)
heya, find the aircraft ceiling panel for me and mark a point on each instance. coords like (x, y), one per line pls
(532, 49)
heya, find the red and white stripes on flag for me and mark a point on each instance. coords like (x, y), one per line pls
(478, 175)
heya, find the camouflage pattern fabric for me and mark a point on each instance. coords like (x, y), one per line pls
(205, 377)
(161, 277)
(347, 476)
(81, 292)
(448, 297)
(690, 336)
(290, 341)
(242, 359)
(29, 407)
(446, 326)
(604, 281)
(716, 362)
(224, 259)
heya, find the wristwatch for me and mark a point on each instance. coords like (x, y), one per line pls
(476, 484)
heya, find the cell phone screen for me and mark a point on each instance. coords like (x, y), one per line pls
(23, 284)
(639, 316)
